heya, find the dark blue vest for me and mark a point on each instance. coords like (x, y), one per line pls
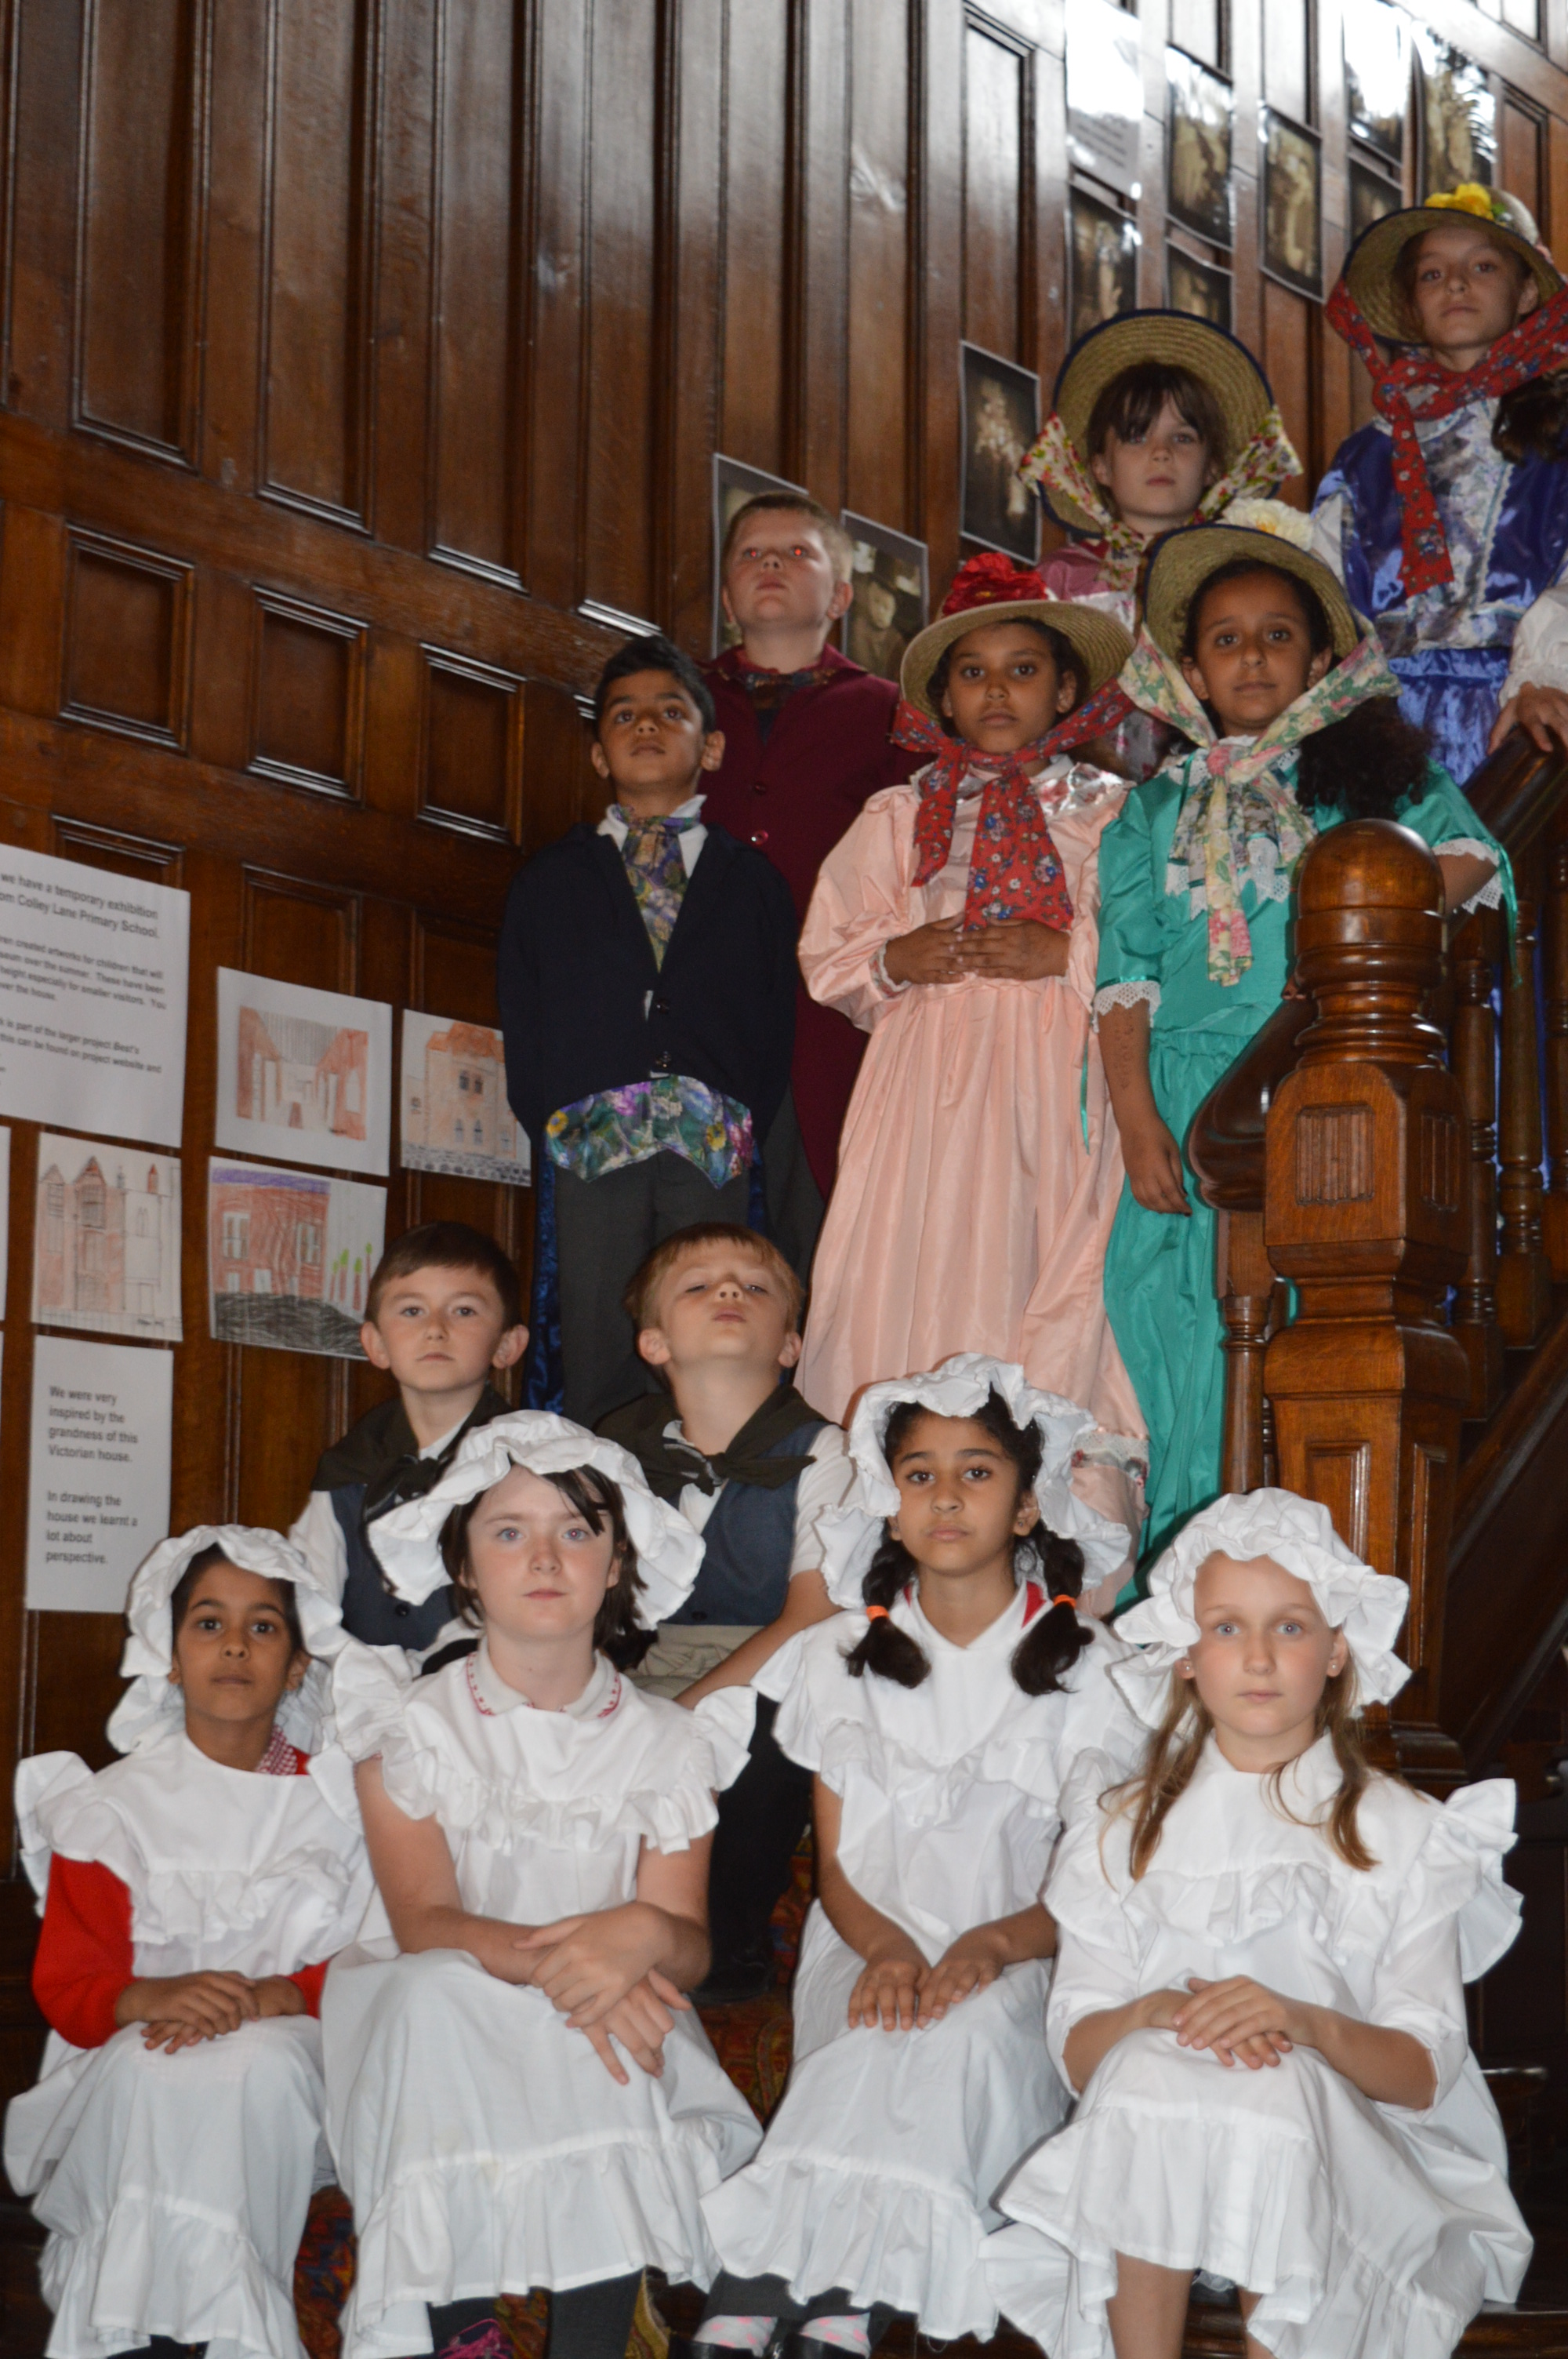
(371, 1613)
(748, 1542)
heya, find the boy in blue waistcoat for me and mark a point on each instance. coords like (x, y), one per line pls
(731, 1443)
(442, 1315)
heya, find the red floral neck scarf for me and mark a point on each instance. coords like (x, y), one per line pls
(1016, 871)
(1412, 385)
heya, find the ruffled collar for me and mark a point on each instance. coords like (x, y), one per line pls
(495, 1698)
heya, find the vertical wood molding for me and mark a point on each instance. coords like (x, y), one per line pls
(818, 250)
(558, 436)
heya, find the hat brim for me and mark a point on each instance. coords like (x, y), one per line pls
(1370, 265)
(1215, 357)
(1183, 561)
(1098, 640)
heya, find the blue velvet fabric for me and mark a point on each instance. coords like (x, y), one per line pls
(1453, 692)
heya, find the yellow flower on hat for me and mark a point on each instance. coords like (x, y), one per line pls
(1469, 196)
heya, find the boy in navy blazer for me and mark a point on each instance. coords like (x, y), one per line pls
(647, 980)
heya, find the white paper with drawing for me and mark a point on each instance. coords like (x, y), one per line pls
(289, 1255)
(93, 989)
(303, 1074)
(455, 1116)
(98, 1492)
(106, 1239)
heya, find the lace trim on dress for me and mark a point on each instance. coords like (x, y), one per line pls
(1488, 896)
(1125, 994)
(880, 974)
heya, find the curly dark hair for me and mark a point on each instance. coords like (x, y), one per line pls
(1063, 655)
(1056, 1638)
(1368, 765)
(616, 1630)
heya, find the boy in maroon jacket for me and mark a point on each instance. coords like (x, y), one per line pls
(806, 743)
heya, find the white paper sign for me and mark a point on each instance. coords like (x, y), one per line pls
(289, 1257)
(1104, 93)
(106, 1239)
(303, 1074)
(97, 1494)
(93, 989)
(455, 1116)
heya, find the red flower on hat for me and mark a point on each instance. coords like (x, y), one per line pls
(991, 580)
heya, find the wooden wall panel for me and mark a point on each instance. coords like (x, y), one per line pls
(756, 175)
(997, 160)
(877, 374)
(471, 775)
(309, 673)
(127, 637)
(1289, 335)
(621, 282)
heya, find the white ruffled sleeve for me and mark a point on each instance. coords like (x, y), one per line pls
(1097, 1955)
(727, 1717)
(1539, 655)
(371, 1685)
(803, 1678)
(44, 1783)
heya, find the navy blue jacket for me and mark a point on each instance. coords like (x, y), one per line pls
(584, 1008)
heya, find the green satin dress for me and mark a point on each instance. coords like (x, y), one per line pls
(1160, 1269)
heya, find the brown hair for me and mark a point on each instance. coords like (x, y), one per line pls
(1133, 400)
(202, 1562)
(446, 1244)
(1407, 262)
(616, 1630)
(641, 1300)
(834, 539)
(1177, 1744)
(1533, 419)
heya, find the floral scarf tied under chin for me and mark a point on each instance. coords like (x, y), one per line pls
(1240, 818)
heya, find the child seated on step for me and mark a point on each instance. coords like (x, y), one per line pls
(1259, 2000)
(731, 1443)
(519, 2093)
(940, 1715)
(192, 1895)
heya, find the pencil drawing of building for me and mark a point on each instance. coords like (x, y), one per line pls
(107, 1244)
(456, 1117)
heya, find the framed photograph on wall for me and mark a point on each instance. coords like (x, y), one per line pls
(1293, 204)
(1202, 106)
(1372, 199)
(999, 410)
(1197, 287)
(1103, 252)
(1458, 118)
(1378, 77)
(733, 485)
(1104, 93)
(891, 598)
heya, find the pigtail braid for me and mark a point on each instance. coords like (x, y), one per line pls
(1054, 1639)
(886, 1649)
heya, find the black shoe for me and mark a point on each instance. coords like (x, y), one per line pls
(731, 1980)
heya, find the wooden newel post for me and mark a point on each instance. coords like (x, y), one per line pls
(1366, 1209)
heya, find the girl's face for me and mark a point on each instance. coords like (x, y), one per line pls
(961, 1501)
(1467, 291)
(1263, 1659)
(234, 1658)
(537, 1566)
(1004, 689)
(1156, 480)
(1254, 651)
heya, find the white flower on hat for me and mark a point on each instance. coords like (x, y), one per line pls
(152, 1701)
(851, 1534)
(1296, 1533)
(407, 1540)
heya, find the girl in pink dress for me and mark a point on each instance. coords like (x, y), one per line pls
(955, 923)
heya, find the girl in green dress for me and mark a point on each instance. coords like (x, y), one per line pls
(1249, 646)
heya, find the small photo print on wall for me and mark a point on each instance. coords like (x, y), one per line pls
(1378, 77)
(1292, 214)
(303, 1074)
(891, 595)
(1001, 414)
(289, 1255)
(106, 1240)
(1104, 255)
(1202, 104)
(733, 485)
(1105, 94)
(455, 1116)
(1372, 199)
(1458, 118)
(1197, 287)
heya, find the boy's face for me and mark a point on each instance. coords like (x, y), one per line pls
(1467, 292)
(1004, 689)
(779, 575)
(234, 1658)
(1254, 652)
(720, 1304)
(1159, 479)
(651, 744)
(441, 1331)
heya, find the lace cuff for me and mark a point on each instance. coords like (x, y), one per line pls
(1487, 895)
(881, 976)
(1125, 994)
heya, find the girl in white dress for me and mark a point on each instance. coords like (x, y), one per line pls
(1258, 1988)
(194, 1892)
(519, 2093)
(940, 1719)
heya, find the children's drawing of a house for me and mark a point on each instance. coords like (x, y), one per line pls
(279, 1276)
(107, 1253)
(455, 1112)
(301, 1075)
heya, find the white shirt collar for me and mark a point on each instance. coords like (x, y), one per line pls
(692, 839)
(495, 1697)
(434, 1449)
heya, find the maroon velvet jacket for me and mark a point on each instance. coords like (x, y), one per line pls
(794, 798)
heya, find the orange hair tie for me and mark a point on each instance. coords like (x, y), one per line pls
(877, 1613)
(1064, 1600)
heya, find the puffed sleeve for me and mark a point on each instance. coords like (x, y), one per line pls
(1131, 945)
(1443, 819)
(1096, 1961)
(1540, 651)
(864, 898)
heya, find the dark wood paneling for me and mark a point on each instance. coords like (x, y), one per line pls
(1291, 330)
(756, 173)
(309, 710)
(998, 154)
(127, 638)
(1521, 146)
(471, 775)
(878, 377)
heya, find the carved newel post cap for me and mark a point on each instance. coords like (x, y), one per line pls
(1370, 942)
(1369, 863)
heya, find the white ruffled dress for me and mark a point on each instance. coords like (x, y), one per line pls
(1366, 2229)
(879, 2168)
(175, 2188)
(484, 2146)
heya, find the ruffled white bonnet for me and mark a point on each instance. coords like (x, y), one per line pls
(1299, 1535)
(407, 1540)
(851, 1534)
(150, 1703)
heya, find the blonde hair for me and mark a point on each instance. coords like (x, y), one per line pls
(641, 1300)
(834, 539)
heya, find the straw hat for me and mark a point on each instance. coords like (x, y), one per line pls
(1178, 341)
(1183, 561)
(1370, 265)
(993, 589)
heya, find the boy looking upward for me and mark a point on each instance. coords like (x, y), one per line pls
(717, 1310)
(806, 741)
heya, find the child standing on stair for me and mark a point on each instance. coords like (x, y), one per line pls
(1258, 1997)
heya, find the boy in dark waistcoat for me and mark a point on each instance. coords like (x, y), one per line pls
(441, 1314)
(731, 1443)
